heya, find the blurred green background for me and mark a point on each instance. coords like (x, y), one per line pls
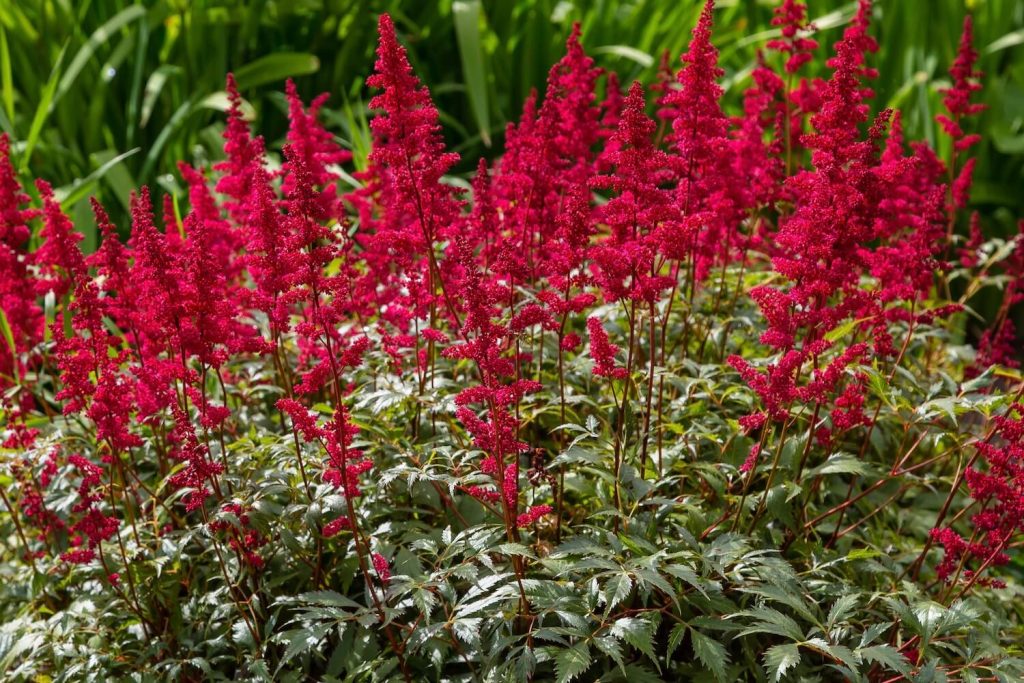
(100, 96)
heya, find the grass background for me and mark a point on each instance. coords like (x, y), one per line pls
(100, 96)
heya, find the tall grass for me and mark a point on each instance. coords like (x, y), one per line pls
(103, 95)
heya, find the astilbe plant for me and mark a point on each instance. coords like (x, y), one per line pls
(677, 391)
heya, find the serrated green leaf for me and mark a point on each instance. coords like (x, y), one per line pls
(674, 638)
(571, 662)
(842, 463)
(885, 655)
(780, 659)
(711, 653)
(840, 608)
(331, 598)
(772, 621)
(610, 646)
(616, 590)
(637, 632)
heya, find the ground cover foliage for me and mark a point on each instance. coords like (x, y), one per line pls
(662, 394)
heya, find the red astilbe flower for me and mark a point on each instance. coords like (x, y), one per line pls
(409, 160)
(662, 88)
(220, 242)
(273, 256)
(533, 514)
(611, 110)
(324, 298)
(157, 315)
(112, 265)
(957, 100)
(518, 190)
(549, 155)
(910, 220)
(345, 464)
(970, 253)
(88, 358)
(776, 386)
(706, 195)
(751, 460)
(760, 162)
(836, 204)
(568, 118)
(315, 146)
(381, 566)
(998, 344)
(495, 430)
(640, 214)
(791, 16)
(603, 351)
(207, 297)
(243, 537)
(244, 158)
(31, 488)
(998, 487)
(157, 277)
(93, 526)
(61, 263)
(565, 270)
(200, 471)
(17, 286)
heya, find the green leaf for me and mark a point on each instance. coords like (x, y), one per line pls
(837, 333)
(70, 196)
(610, 647)
(842, 463)
(637, 632)
(711, 653)
(5, 330)
(840, 608)
(43, 110)
(572, 662)
(616, 590)
(779, 659)
(1007, 40)
(631, 53)
(674, 638)
(885, 655)
(154, 86)
(241, 634)
(98, 37)
(773, 622)
(330, 598)
(299, 640)
(276, 67)
(466, 14)
(6, 81)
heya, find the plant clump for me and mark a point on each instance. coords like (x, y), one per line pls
(681, 396)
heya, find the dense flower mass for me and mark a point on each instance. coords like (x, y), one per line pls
(600, 396)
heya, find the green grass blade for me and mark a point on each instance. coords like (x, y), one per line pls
(157, 149)
(466, 14)
(154, 86)
(6, 82)
(98, 38)
(276, 67)
(42, 113)
(71, 195)
(631, 53)
(5, 330)
(1011, 39)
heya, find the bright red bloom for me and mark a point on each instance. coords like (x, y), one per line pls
(381, 566)
(603, 352)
